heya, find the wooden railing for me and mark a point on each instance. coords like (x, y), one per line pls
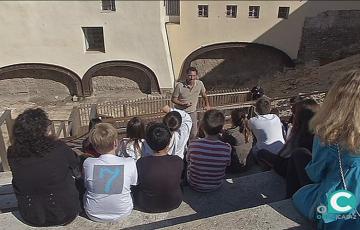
(58, 128)
(153, 105)
(5, 138)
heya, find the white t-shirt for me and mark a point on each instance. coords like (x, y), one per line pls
(128, 147)
(268, 132)
(178, 139)
(107, 182)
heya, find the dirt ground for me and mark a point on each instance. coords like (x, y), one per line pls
(19, 94)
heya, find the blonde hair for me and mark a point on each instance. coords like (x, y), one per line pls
(338, 119)
(102, 137)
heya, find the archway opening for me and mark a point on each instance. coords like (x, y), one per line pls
(237, 65)
(119, 76)
(48, 73)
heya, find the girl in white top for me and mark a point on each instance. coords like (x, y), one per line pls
(133, 144)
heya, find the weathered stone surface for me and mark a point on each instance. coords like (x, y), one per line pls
(330, 36)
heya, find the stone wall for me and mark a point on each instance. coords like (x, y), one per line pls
(330, 36)
(239, 67)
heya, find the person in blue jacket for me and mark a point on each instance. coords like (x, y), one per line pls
(335, 165)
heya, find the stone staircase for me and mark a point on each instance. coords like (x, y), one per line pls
(249, 202)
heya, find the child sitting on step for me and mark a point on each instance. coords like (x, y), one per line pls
(108, 178)
(208, 157)
(132, 145)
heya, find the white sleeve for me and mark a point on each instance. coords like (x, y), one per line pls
(183, 132)
(134, 174)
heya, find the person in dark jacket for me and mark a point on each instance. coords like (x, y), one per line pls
(42, 169)
(159, 175)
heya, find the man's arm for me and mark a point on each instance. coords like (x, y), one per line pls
(176, 101)
(175, 97)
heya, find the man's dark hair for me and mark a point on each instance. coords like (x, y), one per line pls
(263, 106)
(173, 120)
(188, 70)
(158, 136)
(213, 122)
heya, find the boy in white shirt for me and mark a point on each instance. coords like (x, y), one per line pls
(108, 178)
(267, 128)
(179, 123)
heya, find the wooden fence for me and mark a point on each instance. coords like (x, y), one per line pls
(153, 105)
(58, 128)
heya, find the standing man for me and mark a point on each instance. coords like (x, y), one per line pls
(186, 97)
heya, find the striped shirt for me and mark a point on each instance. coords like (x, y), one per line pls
(207, 161)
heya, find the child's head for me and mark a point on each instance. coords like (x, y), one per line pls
(93, 122)
(158, 136)
(135, 129)
(304, 111)
(337, 120)
(104, 138)
(237, 117)
(263, 106)
(172, 120)
(213, 122)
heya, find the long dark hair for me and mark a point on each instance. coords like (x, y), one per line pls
(304, 111)
(30, 137)
(238, 118)
(135, 130)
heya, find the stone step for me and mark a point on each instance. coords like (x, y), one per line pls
(277, 215)
(236, 195)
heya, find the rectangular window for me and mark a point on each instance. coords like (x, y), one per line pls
(254, 11)
(283, 12)
(94, 38)
(231, 11)
(108, 5)
(203, 11)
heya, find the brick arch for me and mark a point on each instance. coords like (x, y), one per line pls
(204, 49)
(148, 85)
(44, 71)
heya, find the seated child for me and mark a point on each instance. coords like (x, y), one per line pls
(108, 178)
(208, 157)
(158, 188)
(179, 124)
(267, 128)
(132, 145)
(235, 137)
(87, 147)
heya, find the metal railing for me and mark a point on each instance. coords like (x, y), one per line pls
(172, 7)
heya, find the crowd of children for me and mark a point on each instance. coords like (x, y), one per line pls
(147, 169)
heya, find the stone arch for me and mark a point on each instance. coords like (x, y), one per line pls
(148, 84)
(205, 49)
(44, 71)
